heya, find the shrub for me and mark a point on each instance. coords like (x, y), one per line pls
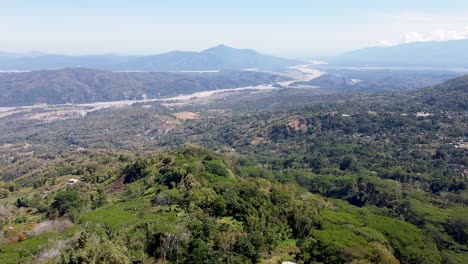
(66, 202)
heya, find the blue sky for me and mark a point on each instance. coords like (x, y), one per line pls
(294, 28)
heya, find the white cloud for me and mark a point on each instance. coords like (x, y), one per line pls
(436, 35)
(409, 37)
(385, 43)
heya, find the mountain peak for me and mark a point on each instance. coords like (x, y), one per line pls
(220, 47)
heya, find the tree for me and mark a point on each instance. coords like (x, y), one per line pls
(457, 227)
(346, 163)
(99, 199)
(136, 170)
(245, 247)
(96, 249)
(66, 202)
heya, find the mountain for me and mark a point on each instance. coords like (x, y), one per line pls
(418, 54)
(455, 85)
(86, 85)
(33, 61)
(218, 58)
(450, 95)
(48, 61)
(379, 79)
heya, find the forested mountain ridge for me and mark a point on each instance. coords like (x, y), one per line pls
(450, 95)
(373, 80)
(217, 58)
(88, 85)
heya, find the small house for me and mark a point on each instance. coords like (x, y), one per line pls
(73, 181)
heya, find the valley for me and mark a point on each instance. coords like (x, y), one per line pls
(133, 137)
(343, 170)
(49, 113)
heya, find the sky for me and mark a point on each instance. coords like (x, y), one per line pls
(289, 28)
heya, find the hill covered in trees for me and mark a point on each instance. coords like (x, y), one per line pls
(379, 79)
(87, 85)
(301, 175)
(448, 95)
(197, 206)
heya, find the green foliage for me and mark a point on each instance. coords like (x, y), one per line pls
(96, 248)
(135, 171)
(409, 243)
(167, 197)
(216, 167)
(66, 203)
(346, 163)
(245, 247)
(301, 182)
(64, 170)
(99, 199)
(457, 227)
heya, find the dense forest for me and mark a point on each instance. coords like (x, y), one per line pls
(80, 85)
(294, 175)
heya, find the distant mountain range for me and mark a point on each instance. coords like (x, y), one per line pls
(379, 79)
(448, 54)
(85, 85)
(217, 58)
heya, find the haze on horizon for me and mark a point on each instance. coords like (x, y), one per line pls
(296, 28)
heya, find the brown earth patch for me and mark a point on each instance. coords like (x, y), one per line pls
(186, 115)
(116, 186)
(297, 125)
(259, 140)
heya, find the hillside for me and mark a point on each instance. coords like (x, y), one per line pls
(379, 80)
(302, 185)
(217, 58)
(418, 54)
(301, 175)
(455, 85)
(450, 95)
(86, 85)
(193, 205)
